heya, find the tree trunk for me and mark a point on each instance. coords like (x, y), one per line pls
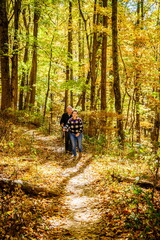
(70, 50)
(4, 57)
(88, 41)
(140, 16)
(116, 84)
(82, 97)
(93, 60)
(104, 60)
(71, 92)
(48, 85)
(141, 183)
(28, 188)
(142, 13)
(33, 73)
(137, 106)
(69, 70)
(24, 79)
(156, 128)
(81, 59)
(104, 70)
(51, 107)
(14, 59)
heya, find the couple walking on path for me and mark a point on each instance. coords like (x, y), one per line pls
(73, 128)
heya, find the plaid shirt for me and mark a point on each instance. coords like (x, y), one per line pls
(75, 125)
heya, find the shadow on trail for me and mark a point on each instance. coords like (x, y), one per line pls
(80, 211)
(80, 202)
(75, 168)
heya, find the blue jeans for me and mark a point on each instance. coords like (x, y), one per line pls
(74, 141)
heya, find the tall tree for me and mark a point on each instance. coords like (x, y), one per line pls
(33, 73)
(69, 70)
(137, 82)
(25, 70)
(116, 84)
(156, 127)
(81, 61)
(104, 59)
(93, 58)
(88, 42)
(49, 79)
(4, 57)
(14, 59)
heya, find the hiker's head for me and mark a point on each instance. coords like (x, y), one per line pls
(75, 113)
(69, 110)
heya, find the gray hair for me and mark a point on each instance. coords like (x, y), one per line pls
(69, 107)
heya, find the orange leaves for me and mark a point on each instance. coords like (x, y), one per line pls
(90, 205)
(126, 212)
(146, 125)
(153, 101)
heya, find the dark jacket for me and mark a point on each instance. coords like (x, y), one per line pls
(64, 119)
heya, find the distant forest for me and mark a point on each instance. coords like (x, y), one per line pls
(99, 56)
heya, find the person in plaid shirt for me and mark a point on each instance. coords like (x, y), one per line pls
(75, 128)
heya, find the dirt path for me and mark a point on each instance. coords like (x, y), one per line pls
(77, 200)
(81, 203)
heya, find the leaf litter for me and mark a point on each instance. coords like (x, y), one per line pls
(89, 204)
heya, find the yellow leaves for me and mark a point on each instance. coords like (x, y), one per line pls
(100, 28)
(104, 11)
(104, 238)
(99, 114)
(95, 194)
(29, 229)
(146, 125)
(9, 212)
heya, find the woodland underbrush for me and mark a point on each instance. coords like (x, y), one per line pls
(131, 212)
(135, 209)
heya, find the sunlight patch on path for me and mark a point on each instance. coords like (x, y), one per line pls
(49, 142)
(81, 204)
(83, 207)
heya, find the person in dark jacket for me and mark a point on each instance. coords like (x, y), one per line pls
(75, 128)
(64, 119)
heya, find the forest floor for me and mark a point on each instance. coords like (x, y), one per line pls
(86, 202)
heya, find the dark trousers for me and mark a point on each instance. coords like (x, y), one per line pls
(68, 145)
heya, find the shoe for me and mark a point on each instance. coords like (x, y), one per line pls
(80, 154)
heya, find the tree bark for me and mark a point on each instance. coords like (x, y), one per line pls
(69, 70)
(156, 128)
(49, 78)
(104, 60)
(14, 59)
(4, 57)
(137, 106)
(141, 183)
(137, 84)
(116, 84)
(81, 62)
(25, 70)
(93, 59)
(28, 188)
(33, 73)
(88, 41)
